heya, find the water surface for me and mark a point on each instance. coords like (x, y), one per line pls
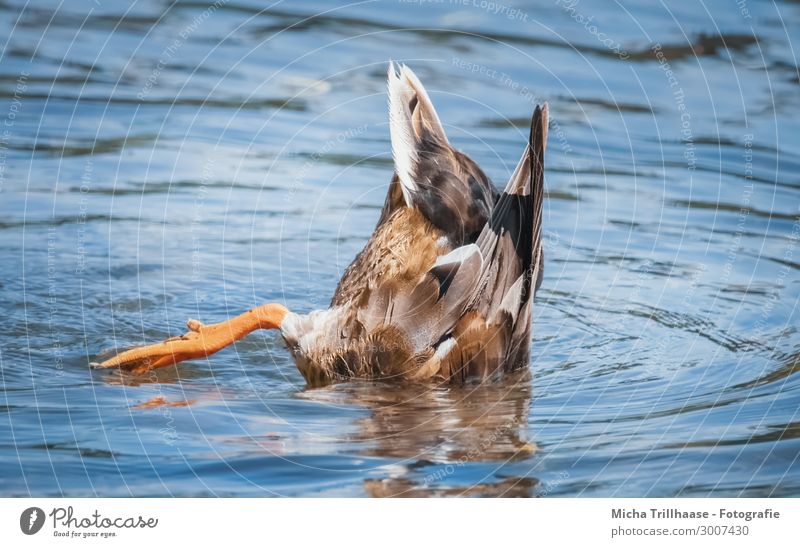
(164, 160)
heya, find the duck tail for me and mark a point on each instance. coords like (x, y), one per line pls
(518, 212)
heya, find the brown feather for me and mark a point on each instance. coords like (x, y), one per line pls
(417, 303)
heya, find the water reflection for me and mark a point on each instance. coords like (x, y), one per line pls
(440, 433)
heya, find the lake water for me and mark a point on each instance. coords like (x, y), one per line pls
(162, 161)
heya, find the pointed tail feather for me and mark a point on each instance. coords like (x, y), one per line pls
(511, 241)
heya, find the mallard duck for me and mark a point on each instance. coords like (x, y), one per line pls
(442, 290)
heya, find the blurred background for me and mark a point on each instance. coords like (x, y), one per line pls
(164, 160)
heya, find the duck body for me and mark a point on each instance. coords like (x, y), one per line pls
(396, 313)
(348, 340)
(443, 288)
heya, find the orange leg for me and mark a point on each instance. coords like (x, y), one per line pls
(200, 341)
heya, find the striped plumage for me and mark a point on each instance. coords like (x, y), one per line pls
(444, 287)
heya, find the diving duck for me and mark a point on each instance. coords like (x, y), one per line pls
(442, 290)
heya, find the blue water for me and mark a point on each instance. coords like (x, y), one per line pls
(160, 161)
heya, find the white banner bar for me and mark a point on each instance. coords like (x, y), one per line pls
(390, 522)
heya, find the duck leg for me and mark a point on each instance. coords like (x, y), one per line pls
(201, 340)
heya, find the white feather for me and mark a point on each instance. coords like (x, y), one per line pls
(302, 332)
(404, 148)
(444, 348)
(459, 254)
(423, 98)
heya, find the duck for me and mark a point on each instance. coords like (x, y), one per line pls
(443, 289)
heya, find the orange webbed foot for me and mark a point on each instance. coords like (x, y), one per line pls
(162, 354)
(201, 340)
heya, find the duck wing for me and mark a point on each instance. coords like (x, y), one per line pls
(450, 195)
(446, 186)
(470, 314)
(493, 332)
